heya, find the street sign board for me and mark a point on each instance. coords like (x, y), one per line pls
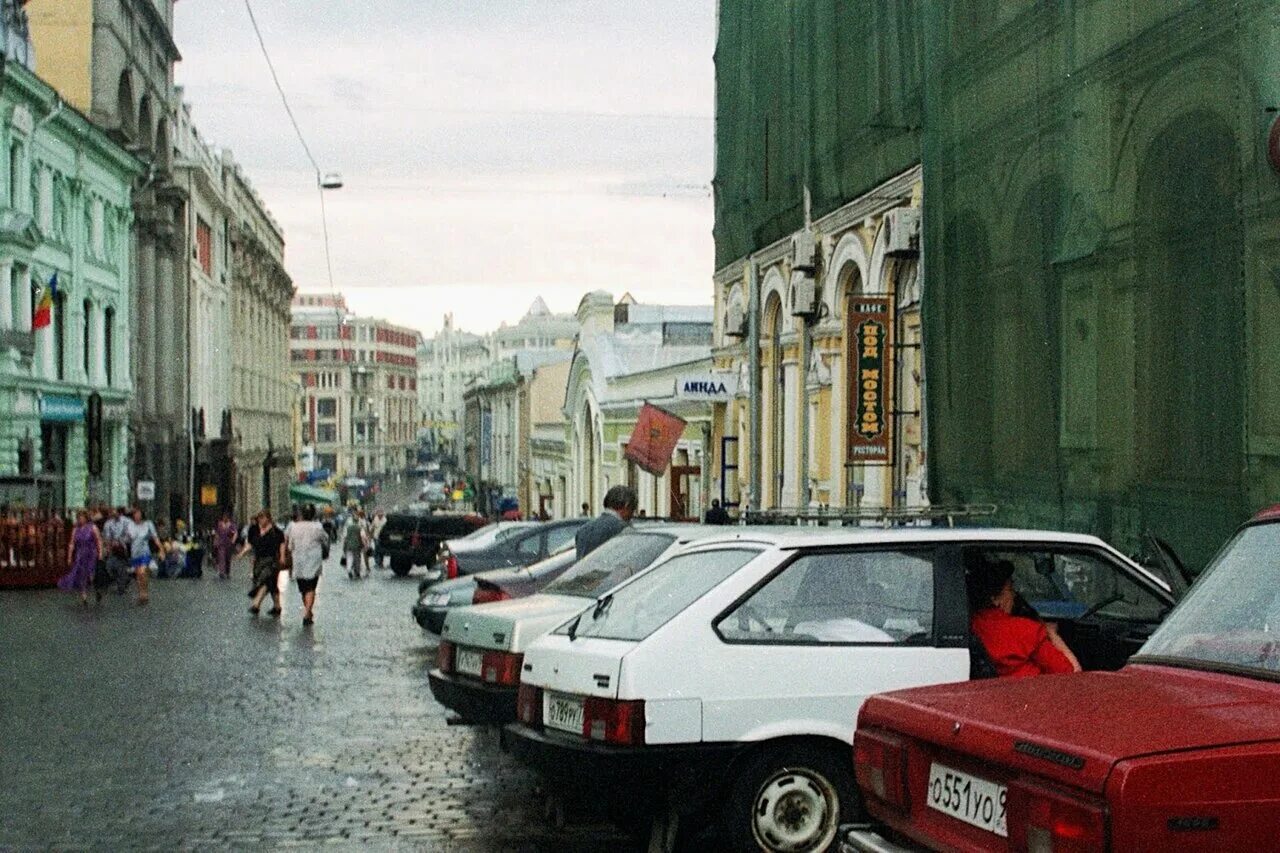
(869, 405)
(717, 387)
(146, 490)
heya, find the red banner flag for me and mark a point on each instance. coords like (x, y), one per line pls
(654, 439)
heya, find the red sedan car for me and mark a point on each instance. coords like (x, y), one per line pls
(1179, 750)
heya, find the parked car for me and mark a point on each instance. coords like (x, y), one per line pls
(411, 539)
(479, 656)
(534, 541)
(1176, 751)
(482, 537)
(721, 683)
(436, 600)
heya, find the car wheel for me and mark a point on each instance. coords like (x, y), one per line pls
(401, 567)
(791, 799)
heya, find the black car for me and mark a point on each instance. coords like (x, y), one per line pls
(523, 547)
(414, 539)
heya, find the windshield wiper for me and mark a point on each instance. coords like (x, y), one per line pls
(573, 628)
(602, 606)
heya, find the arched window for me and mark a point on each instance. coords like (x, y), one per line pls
(1190, 306)
(60, 333)
(86, 338)
(851, 287)
(776, 381)
(124, 105)
(145, 123)
(108, 343)
(1027, 345)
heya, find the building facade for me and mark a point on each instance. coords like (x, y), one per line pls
(359, 381)
(65, 217)
(629, 354)
(113, 61)
(1098, 189)
(262, 388)
(206, 229)
(453, 360)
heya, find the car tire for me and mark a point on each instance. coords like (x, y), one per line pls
(401, 567)
(791, 798)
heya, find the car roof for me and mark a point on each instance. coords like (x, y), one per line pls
(803, 537)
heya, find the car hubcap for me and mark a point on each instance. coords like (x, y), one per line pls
(795, 811)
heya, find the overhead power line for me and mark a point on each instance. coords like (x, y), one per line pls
(275, 78)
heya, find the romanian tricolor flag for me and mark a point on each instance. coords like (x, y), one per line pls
(44, 310)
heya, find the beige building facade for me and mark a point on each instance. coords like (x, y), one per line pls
(834, 416)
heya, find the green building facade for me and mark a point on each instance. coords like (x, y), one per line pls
(64, 212)
(1101, 244)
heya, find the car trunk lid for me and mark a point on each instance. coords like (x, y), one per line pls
(1073, 729)
(582, 667)
(510, 625)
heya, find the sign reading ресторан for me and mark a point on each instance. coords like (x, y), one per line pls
(707, 386)
(869, 401)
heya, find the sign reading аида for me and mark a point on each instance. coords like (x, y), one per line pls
(869, 397)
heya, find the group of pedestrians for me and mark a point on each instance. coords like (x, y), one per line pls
(121, 550)
(360, 542)
(299, 549)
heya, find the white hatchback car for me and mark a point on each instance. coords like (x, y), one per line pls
(481, 648)
(726, 680)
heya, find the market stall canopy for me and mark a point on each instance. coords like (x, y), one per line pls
(302, 493)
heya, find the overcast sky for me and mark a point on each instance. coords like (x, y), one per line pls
(492, 151)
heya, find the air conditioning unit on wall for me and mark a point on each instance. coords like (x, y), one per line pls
(902, 232)
(804, 295)
(804, 252)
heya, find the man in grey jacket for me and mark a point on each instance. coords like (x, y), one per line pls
(619, 505)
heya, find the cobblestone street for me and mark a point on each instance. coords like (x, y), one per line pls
(189, 724)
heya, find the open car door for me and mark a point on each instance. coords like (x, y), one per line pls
(1164, 561)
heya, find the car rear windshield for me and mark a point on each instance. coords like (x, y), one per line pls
(1231, 617)
(610, 564)
(636, 610)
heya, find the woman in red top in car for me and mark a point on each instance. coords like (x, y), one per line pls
(1018, 646)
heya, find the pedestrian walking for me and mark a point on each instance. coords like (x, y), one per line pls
(116, 533)
(619, 505)
(224, 543)
(143, 538)
(84, 550)
(379, 522)
(309, 545)
(267, 543)
(354, 540)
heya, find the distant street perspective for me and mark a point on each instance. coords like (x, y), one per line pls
(671, 426)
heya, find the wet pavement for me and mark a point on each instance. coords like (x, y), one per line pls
(189, 724)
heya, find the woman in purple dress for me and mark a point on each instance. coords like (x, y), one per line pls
(84, 550)
(224, 543)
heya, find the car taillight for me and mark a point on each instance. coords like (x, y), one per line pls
(501, 667)
(451, 567)
(415, 540)
(613, 721)
(444, 656)
(1043, 819)
(529, 705)
(488, 594)
(880, 764)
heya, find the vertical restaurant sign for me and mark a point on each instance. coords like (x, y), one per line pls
(869, 390)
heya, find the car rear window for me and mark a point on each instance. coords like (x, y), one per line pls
(636, 610)
(609, 565)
